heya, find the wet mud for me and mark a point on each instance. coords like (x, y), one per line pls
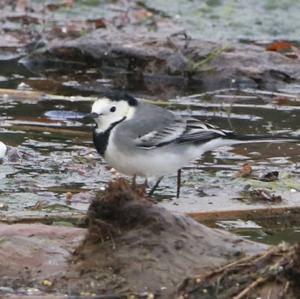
(131, 246)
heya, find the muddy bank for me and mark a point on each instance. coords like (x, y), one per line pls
(131, 246)
(30, 253)
(160, 61)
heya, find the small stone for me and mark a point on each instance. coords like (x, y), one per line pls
(3, 207)
(150, 296)
(46, 283)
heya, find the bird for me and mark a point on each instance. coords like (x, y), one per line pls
(138, 138)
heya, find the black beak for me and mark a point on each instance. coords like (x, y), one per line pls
(91, 115)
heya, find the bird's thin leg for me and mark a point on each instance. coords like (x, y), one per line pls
(133, 183)
(178, 182)
(155, 186)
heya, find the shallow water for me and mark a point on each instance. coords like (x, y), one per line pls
(231, 20)
(53, 166)
(264, 231)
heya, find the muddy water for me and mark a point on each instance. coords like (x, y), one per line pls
(52, 165)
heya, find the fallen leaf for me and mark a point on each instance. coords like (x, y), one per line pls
(283, 101)
(245, 171)
(98, 23)
(142, 14)
(279, 46)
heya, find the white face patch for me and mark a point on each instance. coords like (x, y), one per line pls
(110, 112)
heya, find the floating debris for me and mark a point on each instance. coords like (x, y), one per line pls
(270, 176)
(264, 195)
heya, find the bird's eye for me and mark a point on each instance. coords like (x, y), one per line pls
(113, 109)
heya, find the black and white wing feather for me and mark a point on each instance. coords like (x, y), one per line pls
(181, 130)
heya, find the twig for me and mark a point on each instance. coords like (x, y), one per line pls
(270, 93)
(285, 290)
(244, 261)
(236, 97)
(253, 285)
(213, 92)
(245, 90)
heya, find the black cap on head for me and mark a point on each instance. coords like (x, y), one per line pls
(121, 96)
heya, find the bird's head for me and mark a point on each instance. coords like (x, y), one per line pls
(107, 111)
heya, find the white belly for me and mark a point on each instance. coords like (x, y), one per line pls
(146, 163)
(159, 161)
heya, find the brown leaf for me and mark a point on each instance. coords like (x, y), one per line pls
(142, 14)
(69, 196)
(245, 171)
(279, 46)
(282, 101)
(98, 23)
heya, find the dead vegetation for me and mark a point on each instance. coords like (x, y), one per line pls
(272, 274)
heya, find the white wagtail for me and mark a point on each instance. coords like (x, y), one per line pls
(142, 139)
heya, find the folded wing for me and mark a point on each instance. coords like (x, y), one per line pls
(181, 130)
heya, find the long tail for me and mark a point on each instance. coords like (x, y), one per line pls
(262, 138)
